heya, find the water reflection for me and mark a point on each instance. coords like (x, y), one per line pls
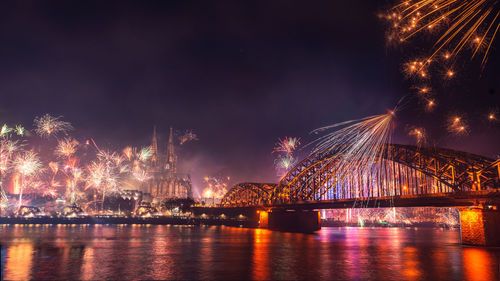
(18, 262)
(209, 252)
(477, 264)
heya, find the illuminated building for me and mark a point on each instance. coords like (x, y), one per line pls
(165, 181)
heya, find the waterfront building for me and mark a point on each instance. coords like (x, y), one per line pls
(166, 182)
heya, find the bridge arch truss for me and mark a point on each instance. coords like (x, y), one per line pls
(402, 171)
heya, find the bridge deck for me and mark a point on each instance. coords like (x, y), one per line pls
(453, 199)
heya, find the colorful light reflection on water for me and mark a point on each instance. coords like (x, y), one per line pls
(209, 252)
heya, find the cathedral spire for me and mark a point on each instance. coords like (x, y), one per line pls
(154, 147)
(171, 157)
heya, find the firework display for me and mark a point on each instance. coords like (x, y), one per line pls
(457, 125)
(215, 187)
(446, 217)
(471, 24)
(188, 135)
(356, 145)
(77, 172)
(47, 126)
(453, 27)
(419, 135)
(362, 142)
(285, 159)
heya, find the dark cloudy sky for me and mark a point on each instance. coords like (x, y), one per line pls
(241, 74)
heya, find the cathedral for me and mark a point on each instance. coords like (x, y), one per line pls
(165, 181)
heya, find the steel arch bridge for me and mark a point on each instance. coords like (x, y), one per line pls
(249, 194)
(404, 171)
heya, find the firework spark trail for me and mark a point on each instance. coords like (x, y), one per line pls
(19, 130)
(359, 146)
(215, 187)
(137, 161)
(493, 115)
(145, 154)
(74, 177)
(107, 173)
(66, 147)
(285, 148)
(284, 162)
(27, 164)
(5, 130)
(419, 135)
(454, 25)
(7, 150)
(104, 177)
(457, 125)
(287, 145)
(188, 135)
(4, 201)
(473, 23)
(47, 126)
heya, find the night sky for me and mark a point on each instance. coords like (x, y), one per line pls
(240, 74)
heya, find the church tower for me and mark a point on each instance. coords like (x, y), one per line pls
(165, 182)
(154, 148)
(171, 161)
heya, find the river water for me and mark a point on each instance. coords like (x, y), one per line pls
(218, 252)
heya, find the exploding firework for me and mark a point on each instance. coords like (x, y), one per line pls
(137, 161)
(287, 145)
(4, 201)
(419, 135)
(493, 115)
(27, 164)
(365, 139)
(430, 105)
(215, 187)
(19, 130)
(283, 163)
(7, 149)
(454, 25)
(103, 177)
(188, 135)
(66, 147)
(466, 23)
(47, 125)
(128, 152)
(5, 130)
(285, 160)
(356, 145)
(145, 154)
(74, 177)
(141, 175)
(457, 125)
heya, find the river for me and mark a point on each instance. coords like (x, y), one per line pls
(218, 252)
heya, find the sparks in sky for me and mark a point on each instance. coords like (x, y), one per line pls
(215, 187)
(285, 149)
(188, 135)
(27, 164)
(457, 125)
(47, 126)
(419, 135)
(462, 24)
(66, 147)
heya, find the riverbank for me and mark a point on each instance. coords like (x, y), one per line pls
(154, 220)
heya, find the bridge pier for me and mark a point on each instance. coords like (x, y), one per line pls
(290, 221)
(480, 227)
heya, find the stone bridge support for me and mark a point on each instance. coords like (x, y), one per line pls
(480, 227)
